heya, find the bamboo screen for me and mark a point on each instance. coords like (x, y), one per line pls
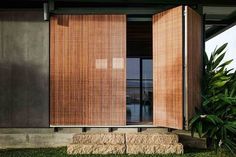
(88, 70)
(194, 61)
(167, 69)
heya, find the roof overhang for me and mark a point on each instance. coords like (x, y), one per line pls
(218, 15)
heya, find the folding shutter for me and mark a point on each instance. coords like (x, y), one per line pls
(87, 69)
(193, 62)
(173, 49)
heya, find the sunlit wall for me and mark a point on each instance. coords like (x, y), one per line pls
(228, 36)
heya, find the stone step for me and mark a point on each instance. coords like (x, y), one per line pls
(151, 138)
(176, 148)
(123, 149)
(121, 143)
(129, 138)
(96, 149)
(99, 138)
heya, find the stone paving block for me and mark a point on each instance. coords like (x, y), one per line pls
(155, 149)
(99, 138)
(151, 138)
(96, 149)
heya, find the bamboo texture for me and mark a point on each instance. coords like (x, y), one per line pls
(167, 69)
(88, 70)
(194, 61)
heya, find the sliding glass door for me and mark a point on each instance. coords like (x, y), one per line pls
(139, 91)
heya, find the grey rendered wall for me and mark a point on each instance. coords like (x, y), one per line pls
(24, 69)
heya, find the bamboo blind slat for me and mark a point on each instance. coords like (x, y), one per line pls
(194, 61)
(167, 69)
(87, 70)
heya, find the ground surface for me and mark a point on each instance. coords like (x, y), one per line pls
(61, 152)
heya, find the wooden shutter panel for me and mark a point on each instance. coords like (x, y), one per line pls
(193, 61)
(87, 69)
(175, 90)
(167, 69)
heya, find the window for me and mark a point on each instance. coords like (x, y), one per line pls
(139, 91)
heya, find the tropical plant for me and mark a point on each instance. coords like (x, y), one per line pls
(216, 117)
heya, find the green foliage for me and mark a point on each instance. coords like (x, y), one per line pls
(216, 118)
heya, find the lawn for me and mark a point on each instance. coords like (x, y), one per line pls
(61, 152)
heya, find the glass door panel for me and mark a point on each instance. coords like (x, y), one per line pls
(133, 90)
(147, 90)
(139, 91)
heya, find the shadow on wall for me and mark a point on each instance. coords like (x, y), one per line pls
(29, 15)
(24, 95)
(24, 69)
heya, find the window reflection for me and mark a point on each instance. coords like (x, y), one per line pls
(139, 90)
(133, 90)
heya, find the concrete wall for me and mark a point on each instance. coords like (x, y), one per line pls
(50, 137)
(24, 69)
(47, 137)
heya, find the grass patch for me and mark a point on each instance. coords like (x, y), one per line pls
(61, 152)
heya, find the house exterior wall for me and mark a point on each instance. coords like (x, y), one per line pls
(24, 73)
(24, 69)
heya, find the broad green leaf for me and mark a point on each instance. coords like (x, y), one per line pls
(214, 119)
(230, 145)
(218, 60)
(199, 128)
(232, 92)
(220, 49)
(205, 58)
(218, 74)
(219, 83)
(194, 119)
(214, 52)
(230, 127)
(227, 72)
(221, 78)
(206, 102)
(223, 132)
(226, 63)
(213, 132)
(226, 92)
(226, 99)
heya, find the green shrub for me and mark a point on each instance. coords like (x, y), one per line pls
(216, 118)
